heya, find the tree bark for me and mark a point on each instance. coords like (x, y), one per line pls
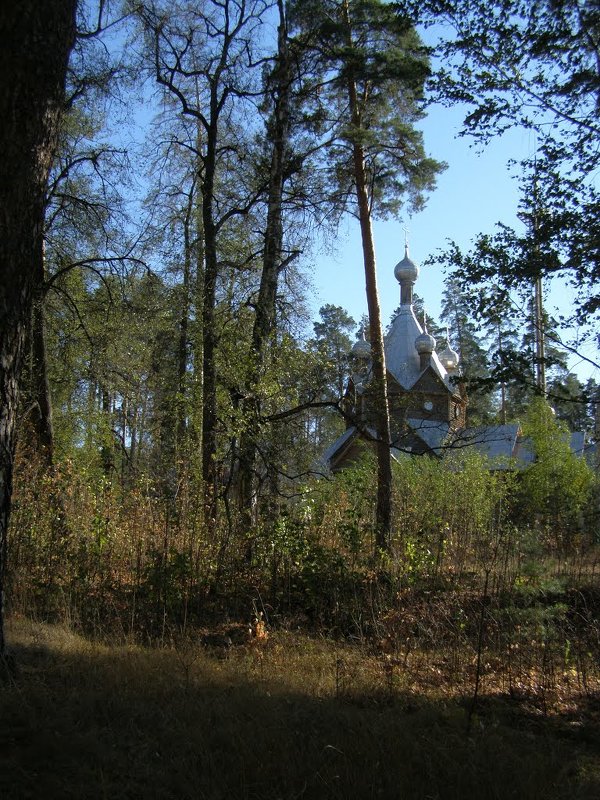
(209, 335)
(41, 417)
(265, 316)
(35, 42)
(383, 517)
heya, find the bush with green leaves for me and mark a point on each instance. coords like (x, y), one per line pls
(556, 487)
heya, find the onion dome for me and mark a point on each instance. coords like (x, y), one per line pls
(424, 343)
(406, 271)
(448, 356)
(449, 359)
(361, 348)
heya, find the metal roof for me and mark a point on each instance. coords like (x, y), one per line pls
(401, 356)
(432, 431)
(348, 434)
(491, 441)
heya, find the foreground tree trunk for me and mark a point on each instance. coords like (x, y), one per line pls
(383, 516)
(41, 414)
(35, 42)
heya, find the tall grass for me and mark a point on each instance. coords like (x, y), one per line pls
(303, 717)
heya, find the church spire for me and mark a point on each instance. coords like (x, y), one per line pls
(406, 273)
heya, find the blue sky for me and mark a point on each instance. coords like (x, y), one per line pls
(474, 193)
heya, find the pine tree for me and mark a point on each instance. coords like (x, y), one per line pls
(474, 366)
(534, 66)
(365, 99)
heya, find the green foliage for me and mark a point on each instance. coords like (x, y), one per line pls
(167, 577)
(379, 49)
(447, 512)
(466, 336)
(534, 66)
(556, 487)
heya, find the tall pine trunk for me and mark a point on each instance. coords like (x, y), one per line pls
(383, 517)
(35, 42)
(209, 333)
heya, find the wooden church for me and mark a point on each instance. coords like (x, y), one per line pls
(427, 399)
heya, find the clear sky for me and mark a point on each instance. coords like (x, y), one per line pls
(474, 193)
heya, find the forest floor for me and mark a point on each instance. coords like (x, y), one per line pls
(293, 717)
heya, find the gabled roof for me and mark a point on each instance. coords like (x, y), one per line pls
(401, 356)
(430, 371)
(431, 431)
(501, 445)
(333, 449)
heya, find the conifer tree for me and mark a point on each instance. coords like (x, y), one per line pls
(531, 64)
(475, 370)
(364, 100)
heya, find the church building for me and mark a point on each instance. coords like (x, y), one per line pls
(427, 400)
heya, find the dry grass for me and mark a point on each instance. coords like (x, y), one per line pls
(299, 718)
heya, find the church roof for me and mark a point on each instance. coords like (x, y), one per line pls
(406, 335)
(577, 443)
(501, 445)
(432, 431)
(410, 360)
(494, 442)
(339, 443)
(401, 355)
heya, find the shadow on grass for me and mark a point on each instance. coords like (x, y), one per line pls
(81, 720)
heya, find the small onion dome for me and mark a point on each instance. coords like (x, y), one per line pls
(406, 271)
(425, 343)
(449, 359)
(361, 348)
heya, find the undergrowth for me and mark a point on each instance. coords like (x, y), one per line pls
(464, 662)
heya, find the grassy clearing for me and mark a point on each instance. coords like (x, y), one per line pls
(299, 718)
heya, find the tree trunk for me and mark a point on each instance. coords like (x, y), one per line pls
(383, 517)
(265, 316)
(41, 417)
(35, 41)
(209, 334)
(182, 401)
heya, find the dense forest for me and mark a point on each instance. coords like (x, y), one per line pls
(166, 400)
